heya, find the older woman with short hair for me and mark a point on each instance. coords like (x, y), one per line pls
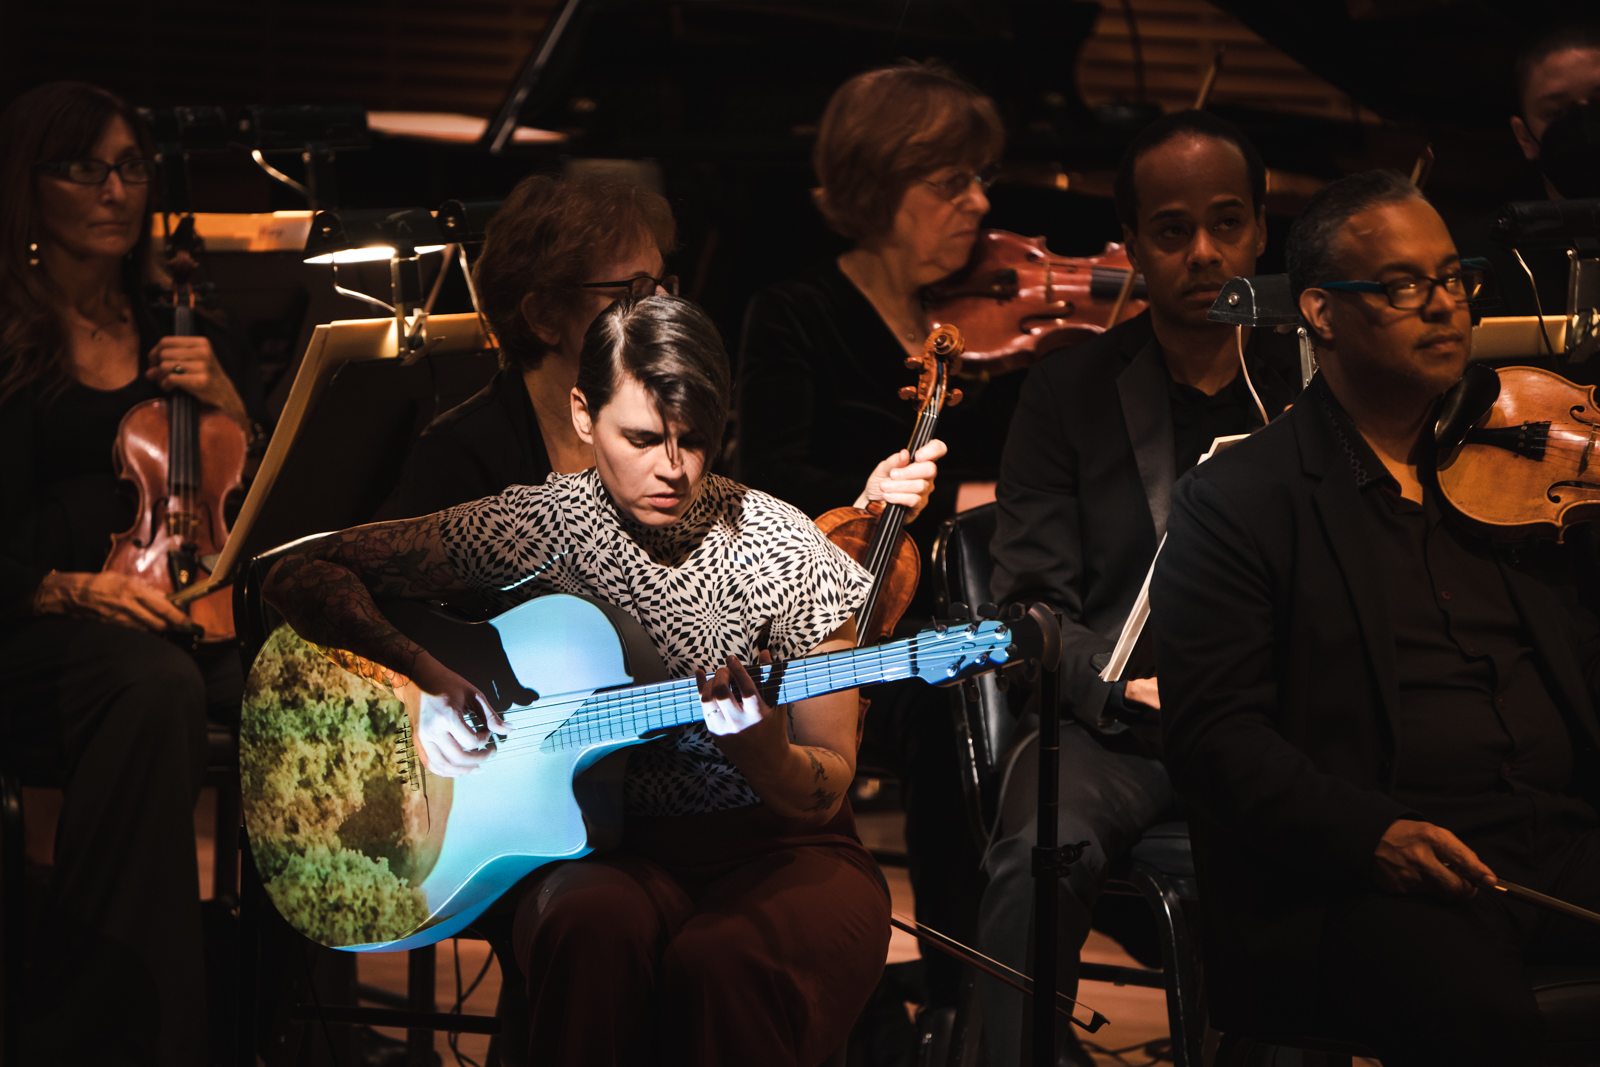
(902, 158)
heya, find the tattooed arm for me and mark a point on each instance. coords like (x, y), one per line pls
(799, 764)
(324, 589)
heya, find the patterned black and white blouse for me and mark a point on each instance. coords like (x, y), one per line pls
(739, 563)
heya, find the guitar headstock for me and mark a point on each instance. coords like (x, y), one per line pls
(952, 652)
(941, 356)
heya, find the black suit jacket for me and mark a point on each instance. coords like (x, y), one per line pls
(487, 442)
(1277, 666)
(1085, 487)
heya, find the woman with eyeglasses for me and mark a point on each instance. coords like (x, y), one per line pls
(902, 158)
(557, 254)
(93, 695)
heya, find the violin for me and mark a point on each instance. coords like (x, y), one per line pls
(875, 536)
(1518, 451)
(1016, 300)
(184, 459)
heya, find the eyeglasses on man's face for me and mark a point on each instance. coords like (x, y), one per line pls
(96, 171)
(645, 286)
(1409, 294)
(956, 186)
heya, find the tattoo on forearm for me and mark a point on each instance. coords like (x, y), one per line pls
(325, 589)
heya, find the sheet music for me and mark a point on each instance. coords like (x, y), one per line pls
(1134, 627)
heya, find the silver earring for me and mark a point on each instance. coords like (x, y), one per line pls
(33, 253)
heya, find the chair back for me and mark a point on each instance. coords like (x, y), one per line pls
(984, 718)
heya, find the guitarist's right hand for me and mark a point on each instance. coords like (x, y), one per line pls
(449, 744)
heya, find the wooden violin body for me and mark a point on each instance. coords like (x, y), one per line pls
(184, 459)
(1016, 300)
(1531, 465)
(181, 520)
(854, 529)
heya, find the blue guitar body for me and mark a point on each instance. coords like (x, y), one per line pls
(360, 848)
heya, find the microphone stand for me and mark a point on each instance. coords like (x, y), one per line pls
(1050, 861)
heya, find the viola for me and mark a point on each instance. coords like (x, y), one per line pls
(875, 537)
(1016, 300)
(1518, 451)
(184, 459)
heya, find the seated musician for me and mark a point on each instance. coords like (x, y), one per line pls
(741, 921)
(93, 696)
(1372, 711)
(558, 253)
(1102, 432)
(1556, 73)
(902, 156)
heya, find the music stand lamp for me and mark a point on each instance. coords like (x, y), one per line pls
(401, 237)
(465, 224)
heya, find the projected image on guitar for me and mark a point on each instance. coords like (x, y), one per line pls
(338, 812)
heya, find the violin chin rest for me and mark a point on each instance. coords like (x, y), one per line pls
(1463, 405)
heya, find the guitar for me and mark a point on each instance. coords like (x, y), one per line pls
(361, 848)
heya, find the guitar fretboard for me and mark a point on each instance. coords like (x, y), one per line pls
(628, 713)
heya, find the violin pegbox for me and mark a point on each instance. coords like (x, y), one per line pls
(941, 356)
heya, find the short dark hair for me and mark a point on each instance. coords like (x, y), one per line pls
(886, 128)
(1312, 251)
(1542, 46)
(674, 351)
(1184, 124)
(544, 239)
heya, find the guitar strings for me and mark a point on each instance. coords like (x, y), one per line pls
(663, 705)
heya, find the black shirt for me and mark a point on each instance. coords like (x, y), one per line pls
(1480, 743)
(1198, 419)
(487, 442)
(819, 407)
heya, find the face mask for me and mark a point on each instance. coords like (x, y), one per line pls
(1569, 152)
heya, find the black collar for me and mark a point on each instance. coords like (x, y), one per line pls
(1365, 465)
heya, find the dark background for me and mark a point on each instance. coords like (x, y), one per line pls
(721, 98)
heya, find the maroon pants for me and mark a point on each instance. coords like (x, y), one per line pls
(728, 938)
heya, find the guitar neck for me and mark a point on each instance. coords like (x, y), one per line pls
(628, 713)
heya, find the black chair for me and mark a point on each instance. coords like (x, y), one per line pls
(288, 1016)
(1160, 866)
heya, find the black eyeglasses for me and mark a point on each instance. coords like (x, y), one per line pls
(645, 286)
(955, 186)
(1408, 294)
(95, 171)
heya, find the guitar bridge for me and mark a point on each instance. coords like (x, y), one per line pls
(408, 767)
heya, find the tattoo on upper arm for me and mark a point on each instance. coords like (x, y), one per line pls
(822, 800)
(817, 768)
(325, 587)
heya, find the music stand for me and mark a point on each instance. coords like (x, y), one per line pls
(350, 419)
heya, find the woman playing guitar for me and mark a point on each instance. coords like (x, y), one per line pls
(95, 698)
(741, 912)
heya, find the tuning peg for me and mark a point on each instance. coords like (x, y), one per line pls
(908, 392)
(960, 612)
(988, 611)
(913, 363)
(952, 398)
(1014, 613)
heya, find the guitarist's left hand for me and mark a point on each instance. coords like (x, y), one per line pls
(450, 745)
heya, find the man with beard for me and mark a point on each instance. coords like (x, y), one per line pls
(1371, 711)
(1100, 434)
